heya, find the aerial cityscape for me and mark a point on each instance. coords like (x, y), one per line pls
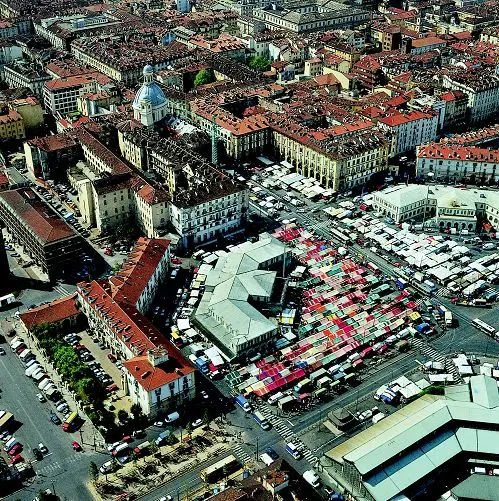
(250, 250)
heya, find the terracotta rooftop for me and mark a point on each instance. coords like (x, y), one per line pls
(135, 273)
(48, 226)
(53, 143)
(425, 42)
(57, 310)
(455, 152)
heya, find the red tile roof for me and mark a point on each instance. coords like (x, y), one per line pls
(48, 226)
(425, 42)
(469, 153)
(53, 143)
(135, 273)
(151, 377)
(399, 118)
(57, 310)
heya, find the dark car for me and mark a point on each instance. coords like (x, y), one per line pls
(55, 419)
(37, 453)
(272, 453)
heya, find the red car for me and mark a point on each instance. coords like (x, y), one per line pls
(108, 251)
(76, 446)
(382, 350)
(15, 450)
(176, 260)
(16, 459)
(397, 265)
(127, 439)
(111, 388)
(111, 357)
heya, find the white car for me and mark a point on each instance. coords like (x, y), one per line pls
(40, 397)
(197, 423)
(159, 424)
(111, 447)
(166, 498)
(364, 416)
(42, 448)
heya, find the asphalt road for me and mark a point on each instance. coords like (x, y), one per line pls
(63, 468)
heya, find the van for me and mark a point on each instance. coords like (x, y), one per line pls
(488, 246)
(13, 441)
(378, 417)
(172, 417)
(44, 383)
(273, 399)
(293, 450)
(106, 467)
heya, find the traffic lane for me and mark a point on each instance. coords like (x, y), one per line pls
(19, 397)
(183, 484)
(358, 393)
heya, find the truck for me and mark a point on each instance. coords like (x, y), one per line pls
(142, 448)
(401, 283)
(261, 420)
(243, 403)
(286, 403)
(68, 425)
(402, 345)
(202, 365)
(6, 300)
(389, 397)
(448, 318)
(5, 420)
(431, 366)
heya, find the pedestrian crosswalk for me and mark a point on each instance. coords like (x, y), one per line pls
(287, 434)
(61, 290)
(443, 292)
(436, 356)
(243, 455)
(46, 469)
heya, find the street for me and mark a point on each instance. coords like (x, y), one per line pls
(62, 468)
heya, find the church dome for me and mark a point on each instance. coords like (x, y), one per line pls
(150, 92)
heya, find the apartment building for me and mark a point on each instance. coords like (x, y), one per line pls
(20, 74)
(45, 237)
(61, 95)
(456, 164)
(11, 124)
(410, 129)
(310, 17)
(202, 203)
(339, 158)
(482, 89)
(157, 376)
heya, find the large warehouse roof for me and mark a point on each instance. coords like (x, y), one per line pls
(422, 436)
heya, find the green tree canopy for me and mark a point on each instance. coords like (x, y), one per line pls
(203, 77)
(259, 63)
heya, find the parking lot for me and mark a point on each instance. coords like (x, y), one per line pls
(33, 426)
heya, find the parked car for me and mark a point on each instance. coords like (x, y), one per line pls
(42, 448)
(2, 351)
(16, 449)
(55, 419)
(16, 459)
(272, 453)
(197, 423)
(41, 398)
(76, 446)
(38, 454)
(111, 357)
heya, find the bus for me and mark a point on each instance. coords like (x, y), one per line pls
(481, 325)
(374, 268)
(220, 469)
(342, 237)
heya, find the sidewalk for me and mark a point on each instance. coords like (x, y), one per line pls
(89, 435)
(145, 474)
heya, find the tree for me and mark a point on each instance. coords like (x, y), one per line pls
(188, 429)
(203, 77)
(136, 411)
(122, 415)
(259, 63)
(206, 417)
(93, 470)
